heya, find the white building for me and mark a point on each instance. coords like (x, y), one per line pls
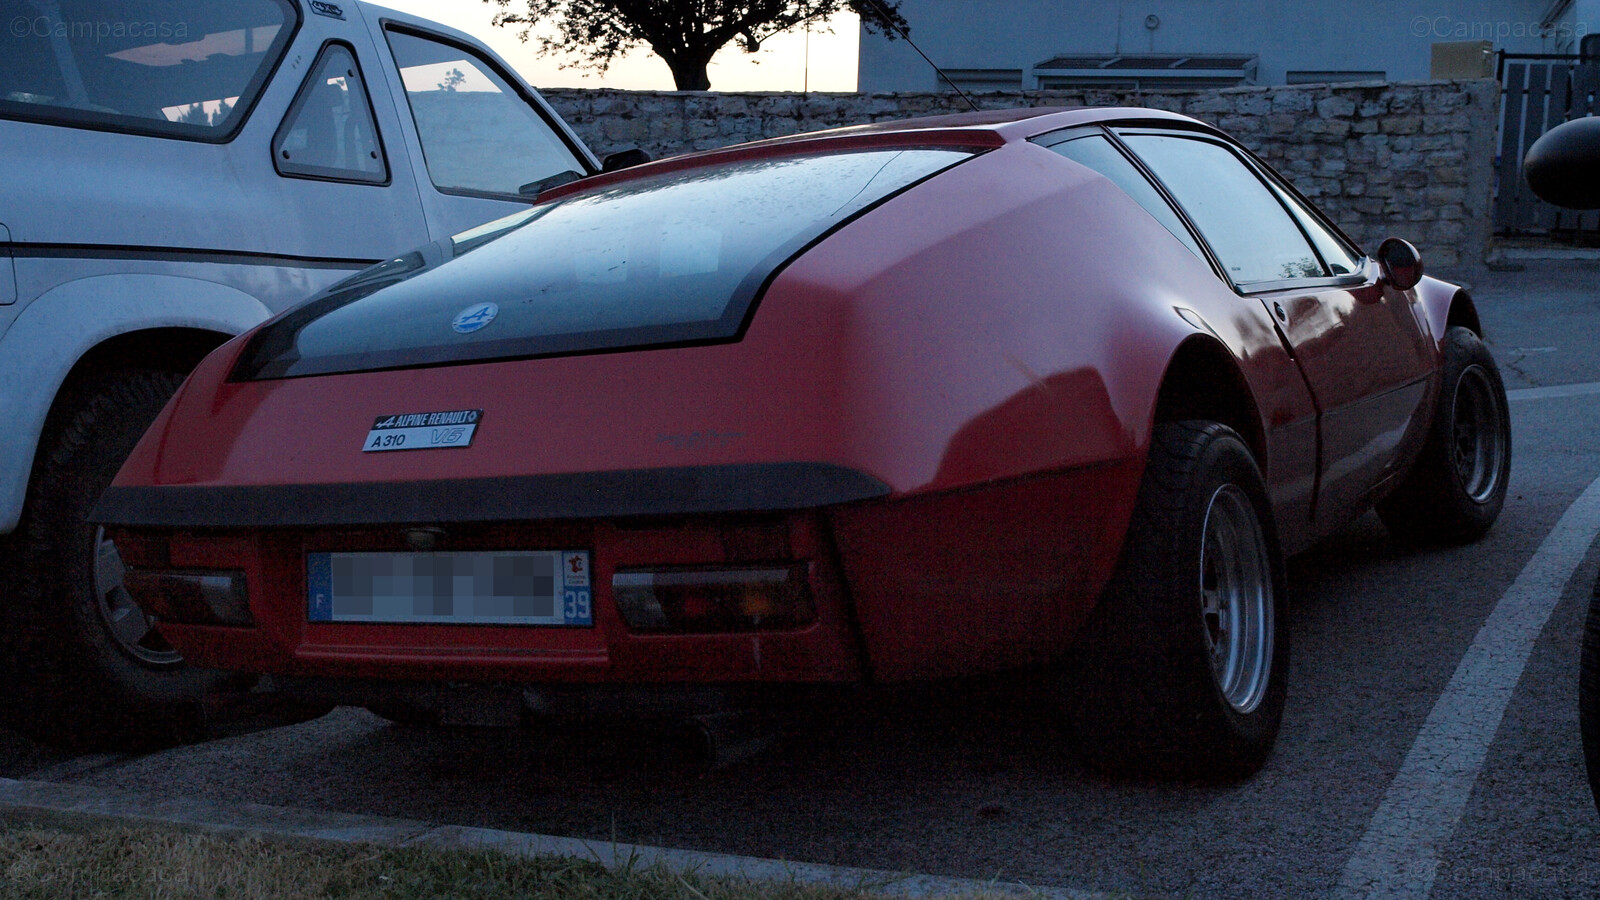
(1040, 44)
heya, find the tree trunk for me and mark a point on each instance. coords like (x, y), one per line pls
(690, 74)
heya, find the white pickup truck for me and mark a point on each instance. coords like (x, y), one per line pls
(172, 173)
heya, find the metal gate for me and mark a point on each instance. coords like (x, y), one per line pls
(1537, 93)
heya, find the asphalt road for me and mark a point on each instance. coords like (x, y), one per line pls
(1376, 763)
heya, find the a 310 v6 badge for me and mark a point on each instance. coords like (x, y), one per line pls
(423, 431)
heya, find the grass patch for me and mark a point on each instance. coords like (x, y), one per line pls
(155, 863)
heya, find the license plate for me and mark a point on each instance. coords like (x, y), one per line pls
(509, 587)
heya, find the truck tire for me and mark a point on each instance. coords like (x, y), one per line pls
(91, 671)
(1180, 673)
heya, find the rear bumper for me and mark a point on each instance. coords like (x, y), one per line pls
(283, 642)
(954, 583)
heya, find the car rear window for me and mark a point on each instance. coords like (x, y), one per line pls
(669, 259)
(184, 69)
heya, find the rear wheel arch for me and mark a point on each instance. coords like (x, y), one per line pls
(77, 330)
(1204, 382)
(171, 350)
(167, 349)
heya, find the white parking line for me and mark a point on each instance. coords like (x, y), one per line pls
(1399, 854)
(1554, 391)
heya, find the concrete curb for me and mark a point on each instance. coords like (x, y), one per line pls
(69, 803)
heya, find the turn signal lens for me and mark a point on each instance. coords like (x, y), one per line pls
(714, 600)
(191, 598)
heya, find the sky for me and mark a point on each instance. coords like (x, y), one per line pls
(780, 65)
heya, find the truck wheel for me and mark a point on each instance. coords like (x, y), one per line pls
(1181, 670)
(1457, 486)
(92, 671)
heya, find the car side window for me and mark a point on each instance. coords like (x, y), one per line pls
(190, 70)
(1248, 229)
(478, 133)
(1334, 252)
(329, 131)
(1097, 153)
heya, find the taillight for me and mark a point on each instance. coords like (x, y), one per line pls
(191, 598)
(679, 600)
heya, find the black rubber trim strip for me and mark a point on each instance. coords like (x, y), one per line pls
(585, 495)
(176, 254)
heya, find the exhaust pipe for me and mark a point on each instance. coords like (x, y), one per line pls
(724, 739)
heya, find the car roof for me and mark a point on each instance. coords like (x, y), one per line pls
(983, 130)
(377, 12)
(1008, 124)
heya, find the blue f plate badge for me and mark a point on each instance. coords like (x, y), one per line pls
(446, 430)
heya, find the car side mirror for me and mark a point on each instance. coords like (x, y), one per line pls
(624, 159)
(535, 188)
(1563, 165)
(1401, 263)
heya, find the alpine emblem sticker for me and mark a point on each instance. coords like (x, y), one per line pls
(423, 431)
(475, 318)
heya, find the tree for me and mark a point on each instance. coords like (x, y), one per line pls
(453, 79)
(684, 33)
(194, 114)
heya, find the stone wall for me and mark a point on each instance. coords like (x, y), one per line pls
(1412, 159)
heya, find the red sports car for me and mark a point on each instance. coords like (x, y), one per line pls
(1022, 389)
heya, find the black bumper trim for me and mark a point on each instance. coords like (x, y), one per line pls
(757, 487)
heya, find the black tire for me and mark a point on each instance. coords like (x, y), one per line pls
(83, 681)
(1457, 486)
(1157, 686)
(1589, 694)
